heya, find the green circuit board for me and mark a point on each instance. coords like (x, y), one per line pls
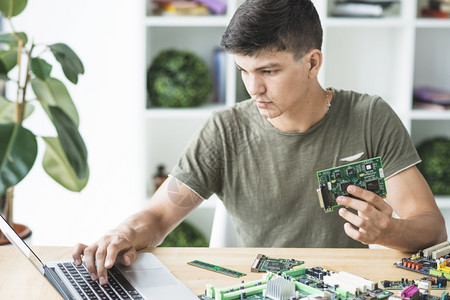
(312, 283)
(216, 268)
(367, 174)
(304, 282)
(404, 283)
(263, 263)
(433, 261)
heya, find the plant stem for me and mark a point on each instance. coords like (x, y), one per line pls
(25, 85)
(8, 211)
(18, 116)
(21, 90)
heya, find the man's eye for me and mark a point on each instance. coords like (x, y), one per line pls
(269, 72)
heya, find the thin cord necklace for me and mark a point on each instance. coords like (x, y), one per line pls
(327, 99)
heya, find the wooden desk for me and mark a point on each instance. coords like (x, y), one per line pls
(374, 264)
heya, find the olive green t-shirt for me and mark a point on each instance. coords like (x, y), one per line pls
(267, 179)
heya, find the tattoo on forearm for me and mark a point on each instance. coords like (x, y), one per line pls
(180, 199)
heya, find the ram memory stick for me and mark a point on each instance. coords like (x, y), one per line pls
(214, 268)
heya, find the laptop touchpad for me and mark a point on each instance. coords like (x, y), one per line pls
(151, 278)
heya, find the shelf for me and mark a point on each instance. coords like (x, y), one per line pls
(432, 23)
(364, 22)
(181, 21)
(421, 114)
(188, 113)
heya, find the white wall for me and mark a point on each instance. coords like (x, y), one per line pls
(107, 36)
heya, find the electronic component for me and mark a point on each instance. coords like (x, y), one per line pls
(367, 174)
(280, 288)
(411, 292)
(351, 283)
(306, 283)
(214, 268)
(433, 261)
(263, 263)
(435, 284)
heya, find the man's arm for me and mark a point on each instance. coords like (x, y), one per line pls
(171, 203)
(421, 224)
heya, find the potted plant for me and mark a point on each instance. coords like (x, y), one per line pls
(25, 65)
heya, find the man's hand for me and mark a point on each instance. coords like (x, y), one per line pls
(115, 245)
(420, 223)
(373, 218)
(170, 204)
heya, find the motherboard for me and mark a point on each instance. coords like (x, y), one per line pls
(281, 281)
(301, 283)
(433, 261)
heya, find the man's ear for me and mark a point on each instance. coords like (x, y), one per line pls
(315, 59)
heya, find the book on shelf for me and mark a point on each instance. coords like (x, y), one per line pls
(188, 7)
(219, 75)
(364, 8)
(431, 98)
(215, 6)
(436, 9)
(440, 6)
(430, 106)
(383, 3)
(433, 13)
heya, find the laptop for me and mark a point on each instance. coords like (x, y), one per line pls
(146, 278)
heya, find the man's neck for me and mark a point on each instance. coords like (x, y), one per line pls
(311, 109)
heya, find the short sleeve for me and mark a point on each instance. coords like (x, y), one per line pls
(390, 140)
(200, 165)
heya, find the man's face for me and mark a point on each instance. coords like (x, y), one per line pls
(275, 81)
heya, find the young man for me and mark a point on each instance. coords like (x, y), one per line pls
(261, 156)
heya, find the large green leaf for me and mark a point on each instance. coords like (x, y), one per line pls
(11, 8)
(11, 39)
(18, 150)
(71, 141)
(40, 68)
(8, 38)
(54, 93)
(70, 62)
(7, 110)
(8, 60)
(58, 167)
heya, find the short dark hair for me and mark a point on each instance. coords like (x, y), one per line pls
(274, 25)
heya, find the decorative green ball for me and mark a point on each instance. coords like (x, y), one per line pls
(435, 165)
(178, 79)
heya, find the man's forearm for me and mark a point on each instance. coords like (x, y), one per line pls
(144, 229)
(164, 211)
(411, 235)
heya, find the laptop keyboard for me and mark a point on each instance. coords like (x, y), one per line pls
(118, 286)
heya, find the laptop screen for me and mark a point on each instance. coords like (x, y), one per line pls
(15, 239)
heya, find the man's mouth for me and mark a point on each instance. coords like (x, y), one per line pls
(262, 104)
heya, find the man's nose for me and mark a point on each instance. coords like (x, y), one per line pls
(254, 85)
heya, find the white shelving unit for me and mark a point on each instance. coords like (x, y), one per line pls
(385, 56)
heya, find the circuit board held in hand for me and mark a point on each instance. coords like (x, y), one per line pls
(367, 174)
